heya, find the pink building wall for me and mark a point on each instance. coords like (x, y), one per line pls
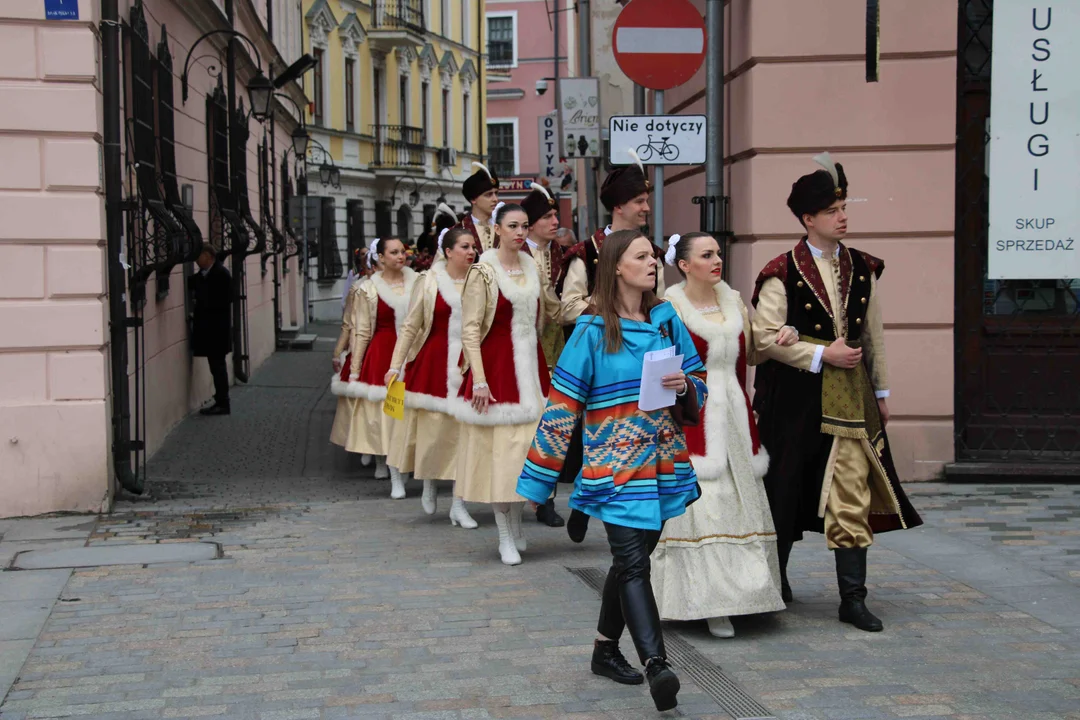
(55, 401)
(535, 43)
(797, 87)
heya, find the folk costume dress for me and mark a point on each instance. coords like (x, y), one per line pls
(637, 471)
(500, 314)
(720, 558)
(346, 406)
(832, 469)
(429, 348)
(548, 262)
(484, 237)
(378, 312)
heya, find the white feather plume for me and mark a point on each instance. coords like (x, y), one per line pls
(444, 209)
(826, 161)
(541, 188)
(634, 156)
(483, 167)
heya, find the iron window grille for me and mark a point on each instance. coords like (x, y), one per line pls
(500, 40)
(501, 148)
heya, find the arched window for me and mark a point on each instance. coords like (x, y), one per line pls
(404, 223)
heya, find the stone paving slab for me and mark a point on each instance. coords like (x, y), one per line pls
(44, 585)
(115, 554)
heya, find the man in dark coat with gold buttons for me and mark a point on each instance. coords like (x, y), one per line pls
(822, 402)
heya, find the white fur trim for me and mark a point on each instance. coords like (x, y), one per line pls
(452, 297)
(524, 299)
(727, 423)
(357, 390)
(398, 303)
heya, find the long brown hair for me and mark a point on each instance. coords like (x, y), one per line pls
(605, 293)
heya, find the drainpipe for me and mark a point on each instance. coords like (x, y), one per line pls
(239, 260)
(480, 78)
(118, 359)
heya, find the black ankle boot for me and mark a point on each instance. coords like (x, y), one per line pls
(546, 514)
(663, 683)
(851, 579)
(577, 526)
(784, 552)
(608, 661)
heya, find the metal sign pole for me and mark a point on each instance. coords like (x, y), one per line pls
(658, 182)
(305, 258)
(714, 109)
(585, 26)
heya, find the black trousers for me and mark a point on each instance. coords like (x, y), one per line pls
(220, 371)
(627, 600)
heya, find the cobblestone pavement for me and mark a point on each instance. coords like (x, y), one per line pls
(332, 601)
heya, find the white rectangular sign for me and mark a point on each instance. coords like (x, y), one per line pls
(1034, 153)
(658, 139)
(550, 166)
(579, 117)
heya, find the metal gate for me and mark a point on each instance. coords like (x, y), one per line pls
(1017, 349)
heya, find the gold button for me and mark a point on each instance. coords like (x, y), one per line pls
(596, 261)
(862, 278)
(799, 284)
(858, 321)
(809, 306)
(817, 327)
(864, 301)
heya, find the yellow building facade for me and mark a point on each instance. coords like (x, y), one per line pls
(397, 102)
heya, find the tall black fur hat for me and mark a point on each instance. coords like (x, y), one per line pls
(479, 182)
(624, 183)
(812, 193)
(538, 203)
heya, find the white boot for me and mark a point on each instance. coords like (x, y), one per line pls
(460, 516)
(516, 528)
(397, 483)
(381, 471)
(507, 551)
(429, 498)
(365, 459)
(721, 627)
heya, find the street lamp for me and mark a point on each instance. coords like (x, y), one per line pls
(260, 93)
(300, 140)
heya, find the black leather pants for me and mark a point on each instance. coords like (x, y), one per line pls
(628, 600)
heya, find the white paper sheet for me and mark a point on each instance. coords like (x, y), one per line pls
(657, 364)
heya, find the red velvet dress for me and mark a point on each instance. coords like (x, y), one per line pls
(379, 351)
(695, 436)
(497, 351)
(426, 374)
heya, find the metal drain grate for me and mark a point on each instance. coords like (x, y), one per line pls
(726, 692)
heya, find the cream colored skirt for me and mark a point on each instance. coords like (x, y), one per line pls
(343, 417)
(490, 459)
(371, 430)
(425, 443)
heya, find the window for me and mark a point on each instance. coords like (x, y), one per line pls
(501, 34)
(425, 101)
(403, 100)
(502, 146)
(465, 127)
(447, 141)
(350, 94)
(318, 81)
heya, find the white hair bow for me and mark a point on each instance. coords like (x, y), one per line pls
(669, 256)
(442, 234)
(495, 212)
(372, 256)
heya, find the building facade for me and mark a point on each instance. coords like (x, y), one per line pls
(978, 368)
(97, 247)
(397, 102)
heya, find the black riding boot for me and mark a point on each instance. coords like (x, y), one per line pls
(577, 526)
(851, 578)
(783, 550)
(547, 515)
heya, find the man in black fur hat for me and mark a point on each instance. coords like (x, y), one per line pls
(481, 189)
(822, 401)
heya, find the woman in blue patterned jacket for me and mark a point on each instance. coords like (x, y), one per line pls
(636, 472)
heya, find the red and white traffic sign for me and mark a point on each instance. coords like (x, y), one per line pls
(659, 44)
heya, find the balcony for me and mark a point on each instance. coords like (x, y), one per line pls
(398, 146)
(397, 23)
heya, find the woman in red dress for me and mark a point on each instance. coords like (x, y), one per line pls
(378, 310)
(506, 381)
(429, 347)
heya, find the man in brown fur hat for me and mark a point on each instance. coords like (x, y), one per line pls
(822, 401)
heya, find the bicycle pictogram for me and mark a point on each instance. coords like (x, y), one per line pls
(667, 151)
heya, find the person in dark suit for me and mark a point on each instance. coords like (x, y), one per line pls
(211, 335)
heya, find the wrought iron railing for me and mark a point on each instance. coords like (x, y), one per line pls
(398, 15)
(398, 146)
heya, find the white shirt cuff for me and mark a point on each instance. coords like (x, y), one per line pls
(881, 394)
(815, 364)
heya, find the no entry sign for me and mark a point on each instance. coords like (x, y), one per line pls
(659, 44)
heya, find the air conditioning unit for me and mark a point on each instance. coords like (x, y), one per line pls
(448, 157)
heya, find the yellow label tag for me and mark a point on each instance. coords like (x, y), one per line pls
(394, 405)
